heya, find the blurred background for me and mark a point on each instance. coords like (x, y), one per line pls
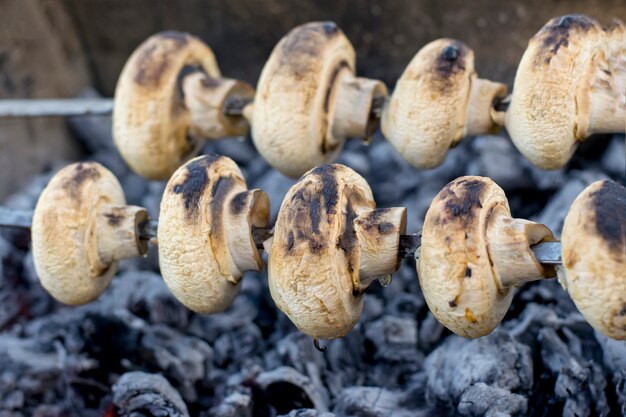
(57, 48)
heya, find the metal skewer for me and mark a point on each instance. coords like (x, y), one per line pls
(70, 107)
(547, 253)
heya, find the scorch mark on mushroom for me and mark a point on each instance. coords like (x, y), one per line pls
(451, 60)
(146, 73)
(83, 172)
(192, 188)
(556, 34)
(610, 217)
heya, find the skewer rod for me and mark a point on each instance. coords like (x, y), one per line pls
(547, 253)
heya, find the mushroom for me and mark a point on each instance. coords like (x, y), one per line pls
(205, 224)
(169, 96)
(330, 242)
(474, 254)
(81, 227)
(569, 85)
(439, 100)
(309, 100)
(594, 256)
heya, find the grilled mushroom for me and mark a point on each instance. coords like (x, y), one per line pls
(309, 100)
(205, 240)
(81, 227)
(439, 100)
(594, 256)
(569, 85)
(474, 254)
(169, 97)
(329, 244)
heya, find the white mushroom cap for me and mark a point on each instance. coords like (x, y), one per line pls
(205, 240)
(78, 216)
(308, 78)
(439, 100)
(565, 90)
(150, 116)
(473, 254)
(329, 244)
(594, 256)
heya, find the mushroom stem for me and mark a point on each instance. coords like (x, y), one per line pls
(509, 241)
(482, 117)
(117, 233)
(213, 104)
(352, 115)
(378, 232)
(246, 210)
(607, 104)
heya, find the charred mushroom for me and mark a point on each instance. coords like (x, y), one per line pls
(594, 256)
(169, 97)
(81, 227)
(474, 254)
(569, 85)
(309, 100)
(205, 240)
(329, 244)
(437, 102)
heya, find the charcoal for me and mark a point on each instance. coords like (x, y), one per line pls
(481, 399)
(403, 304)
(141, 393)
(238, 315)
(614, 158)
(372, 402)
(346, 362)
(498, 160)
(372, 309)
(235, 405)
(238, 344)
(239, 150)
(187, 360)
(307, 412)
(26, 198)
(276, 186)
(614, 358)
(357, 160)
(394, 339)
(555, 211)
(430, 332)
(152, 199)
(113, 161)
(32, 373)
(285, 389)
(580, 384)
(619, 379)
(497, 360)
(145, 295)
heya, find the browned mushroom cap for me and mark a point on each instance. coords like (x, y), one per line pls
(473, 254)
(594, 256)
(329, 244)
(205, 240)
(565, 90)
(437, 102)
(309, 101)
(81, 226)
(170, 96)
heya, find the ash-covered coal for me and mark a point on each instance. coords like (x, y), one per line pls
(137, 351)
